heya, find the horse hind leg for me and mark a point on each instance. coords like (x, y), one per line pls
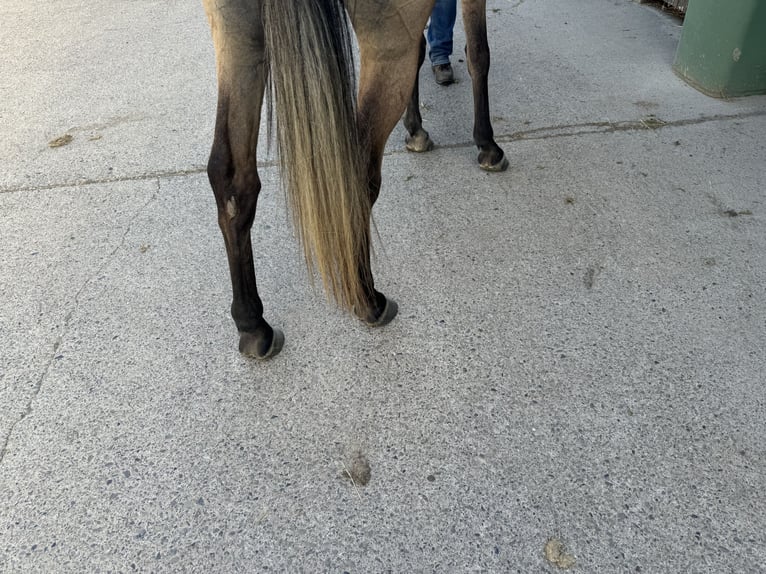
(389, 64)
(232, 167)
(491, 156)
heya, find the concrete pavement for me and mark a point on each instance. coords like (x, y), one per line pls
(579, 354)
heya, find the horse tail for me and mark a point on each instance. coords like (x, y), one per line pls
(309, 46)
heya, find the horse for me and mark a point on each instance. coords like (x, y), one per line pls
(330, 141)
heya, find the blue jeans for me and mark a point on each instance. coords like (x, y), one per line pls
(439, 34)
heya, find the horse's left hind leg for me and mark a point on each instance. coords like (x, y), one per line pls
(232, 167)
(418, 139)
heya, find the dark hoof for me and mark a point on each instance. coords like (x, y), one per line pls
(419, 143)
(258, 347)
(500, 165)
(386, 316)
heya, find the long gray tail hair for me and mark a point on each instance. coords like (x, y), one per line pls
(309, 46)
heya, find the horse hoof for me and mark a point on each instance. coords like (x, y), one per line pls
(386, 316)
(258, 348)
(501, 165)
(419, 143)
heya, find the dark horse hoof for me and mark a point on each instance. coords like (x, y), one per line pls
(492, 158)
(390, 309)
(501, 165)
(258, 347)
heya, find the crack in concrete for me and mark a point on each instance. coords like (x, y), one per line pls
(159, 174)
(651, 124)
(547, 132)
(590, 128)
(68, 318)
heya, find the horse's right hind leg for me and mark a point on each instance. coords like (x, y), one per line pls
(388, 68)
(232, 168)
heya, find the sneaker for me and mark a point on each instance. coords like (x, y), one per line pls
(443, 74)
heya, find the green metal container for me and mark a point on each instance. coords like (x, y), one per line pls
(722, 51)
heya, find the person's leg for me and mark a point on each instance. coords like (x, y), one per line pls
(439, 37)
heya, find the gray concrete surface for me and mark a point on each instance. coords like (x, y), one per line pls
(579, 354)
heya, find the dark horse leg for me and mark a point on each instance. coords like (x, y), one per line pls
(418, 139)
(232, 168)
(491, 157)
